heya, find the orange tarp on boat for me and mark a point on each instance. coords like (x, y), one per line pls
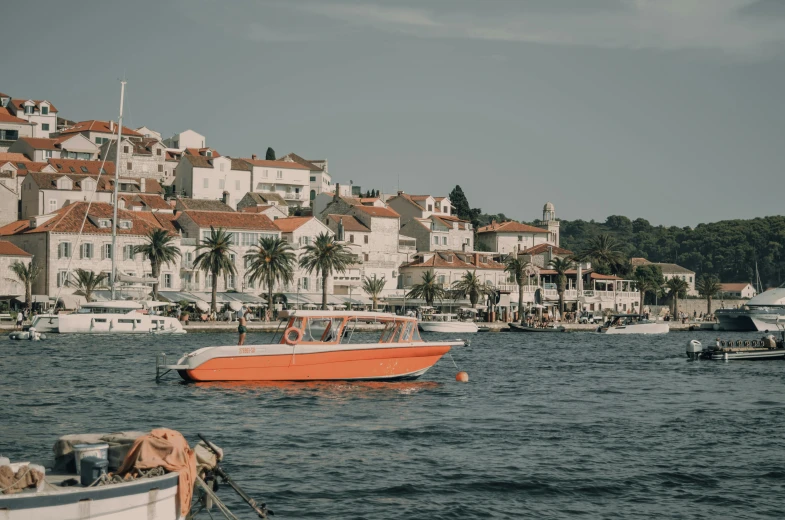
(167, 449)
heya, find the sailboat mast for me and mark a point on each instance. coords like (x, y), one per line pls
(116, 188)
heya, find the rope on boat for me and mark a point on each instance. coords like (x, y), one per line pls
(453, 361)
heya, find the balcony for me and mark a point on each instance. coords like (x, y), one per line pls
(292, 195)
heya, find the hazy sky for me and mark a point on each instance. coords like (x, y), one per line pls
(671, 110)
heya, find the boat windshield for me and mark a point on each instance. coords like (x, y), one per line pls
(103, 310)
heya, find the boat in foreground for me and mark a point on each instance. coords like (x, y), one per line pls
(632, 324)
(760, 313)
(517, 327)
(113, 317)
(302, 354)
(767, 347)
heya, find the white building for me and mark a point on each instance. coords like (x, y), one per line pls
(12, 128)
(671, 271)
(287, 179)
(186, 139)
(319, 177)
(139, 157)
(40, 113)
(419, 206)
(246, 230)
(217, 178)
(737, 290)
(55, 242)
(509, 237)
(98, 132)
(41, 149)
(10, 254)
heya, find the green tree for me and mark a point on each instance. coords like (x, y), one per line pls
(214, 259)
(270, 155)
(26, 273)
(428, 289)
(460, 203)
(470, 285)
(373, 287)
(605, 251)
(517, 268)
(271, 260)
(159, 251)
(325, 256)
(708, 286)
(87, 282)
(644, 284)
(677, 288)
(561, 266)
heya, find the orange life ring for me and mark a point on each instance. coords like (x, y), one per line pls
(288, 333)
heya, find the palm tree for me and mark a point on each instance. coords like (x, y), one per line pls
(160, 251)
(87, 282)
(604, 250)
(471, 285)
(517, 267)
(428, 289)
(677, 288)
(271, 260)
(644, 285)
(561, 266)
(26, 273)
(214, 258)
(373, 287)
(326, 256)
(708, 286)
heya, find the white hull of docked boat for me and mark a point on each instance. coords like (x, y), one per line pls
(153, 497)
(639, 328)
(115, 317)
(448, 326)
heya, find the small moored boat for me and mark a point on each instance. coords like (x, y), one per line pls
(767, 347)
(517, 327)
(632, 324)
(462, 322)
(300, 355)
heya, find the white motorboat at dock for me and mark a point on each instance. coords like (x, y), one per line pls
(113, 317)
(632, 324)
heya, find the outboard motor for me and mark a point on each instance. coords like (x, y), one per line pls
(694, 349)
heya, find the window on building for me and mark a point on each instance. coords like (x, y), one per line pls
(106, 251)
(29, 110)
(160, 168)
(237, 185)
(86, 250)
(444, 241)
(167, 280)
(365, 239)
(351, 239)
(436, 240)
(62, 278)
(430, 207)
(221, 167)
(129, 166)
(45, 127)
(264, 174)
(158, 152)
(221, 184)
(125, 149)
(45, 111)
(230, 281)
(209, 153)
(48, 154)
(128, 252)
(52, 205)
(365, 257)
(280, 174)
(520, 238)
(206, 183)
(313, 178)
(304, 284)
(64, 250)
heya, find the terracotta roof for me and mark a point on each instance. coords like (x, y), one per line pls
(543, 248)
(69, 219)
(8, 117)
(41, 143)
(265, 197)
(168, 221)
(378, 212)
(24, 167)
(202, 205)
(734, 286)
(9, 249)
(448, 222)
(98, 126)
(276, 164)
(19, 103)
(454, 260)
(46, 180)
(141, 145)
(287, 225)
(199, 161)
(197, 152)
(299, 160)
(673, 269)
(511, 227)
(598, 276)
(145, 200)
(255, 209)
(408, 198)
(231, 220)
(78, 166)
(349, 223)
(13, 157)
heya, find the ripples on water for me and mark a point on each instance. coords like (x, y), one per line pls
(556, 425)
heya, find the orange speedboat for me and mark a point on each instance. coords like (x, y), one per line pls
(319, 346)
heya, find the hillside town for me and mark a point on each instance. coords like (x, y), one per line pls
(58, 181)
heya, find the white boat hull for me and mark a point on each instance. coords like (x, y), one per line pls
(638, 328)
(130, 323)
(142, 498)
(448, 326)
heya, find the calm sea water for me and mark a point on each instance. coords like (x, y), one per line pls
(550, 426)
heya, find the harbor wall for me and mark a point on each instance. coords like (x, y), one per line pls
(693, 305)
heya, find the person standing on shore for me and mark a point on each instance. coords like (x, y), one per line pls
(20, 316)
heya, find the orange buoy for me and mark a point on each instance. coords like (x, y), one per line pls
(463, 377)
